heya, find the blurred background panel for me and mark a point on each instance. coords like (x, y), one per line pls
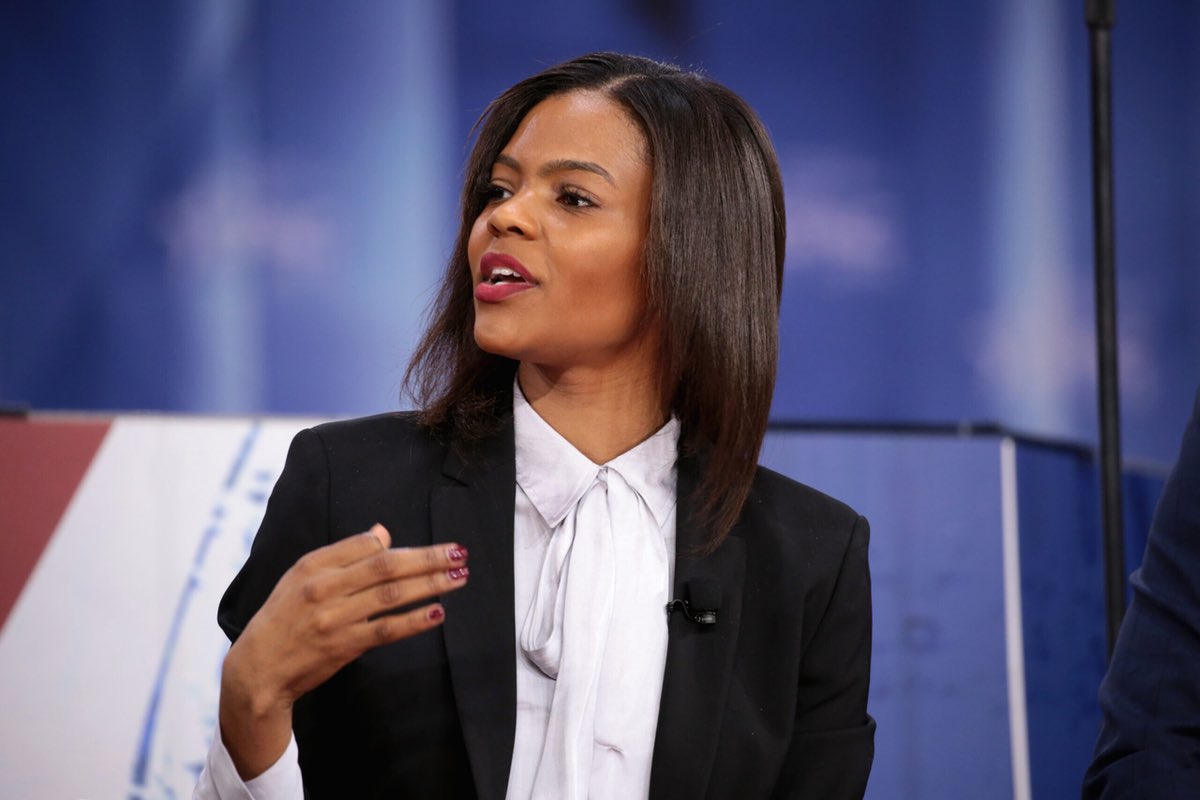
(243, 206)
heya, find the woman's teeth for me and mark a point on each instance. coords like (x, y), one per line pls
(503, 274)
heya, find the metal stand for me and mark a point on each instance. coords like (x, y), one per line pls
(1100, 18)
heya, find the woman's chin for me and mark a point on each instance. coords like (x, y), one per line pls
(497, 343)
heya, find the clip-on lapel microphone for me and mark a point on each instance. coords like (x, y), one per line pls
(704, 600)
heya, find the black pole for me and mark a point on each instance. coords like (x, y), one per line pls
(1100, 18)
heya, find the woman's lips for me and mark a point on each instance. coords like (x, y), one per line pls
(495, 292)
(501, 276)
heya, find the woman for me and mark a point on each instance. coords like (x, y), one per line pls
(594, 388)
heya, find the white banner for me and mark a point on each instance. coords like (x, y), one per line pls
(109, 662)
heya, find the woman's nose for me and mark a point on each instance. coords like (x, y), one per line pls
(512, 216)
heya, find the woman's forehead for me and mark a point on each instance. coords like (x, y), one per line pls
(583, 127)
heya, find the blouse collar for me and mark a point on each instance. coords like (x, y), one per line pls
(554, 475)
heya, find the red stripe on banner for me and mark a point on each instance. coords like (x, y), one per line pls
(41, 465)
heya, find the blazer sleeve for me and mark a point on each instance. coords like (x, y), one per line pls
(1149, 745)
(296, 521)
(385, 724)
(833, 741)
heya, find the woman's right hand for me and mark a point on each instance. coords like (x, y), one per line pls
(325, 611)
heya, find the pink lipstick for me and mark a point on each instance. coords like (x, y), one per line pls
(501, 276)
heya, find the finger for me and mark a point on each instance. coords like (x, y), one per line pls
(383, 597)
(394, 627)
(396, 563)
(381, 533)
(351, 549)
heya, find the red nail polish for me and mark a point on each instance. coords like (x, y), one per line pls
(436, 613)
(457, 553)
(458, 573)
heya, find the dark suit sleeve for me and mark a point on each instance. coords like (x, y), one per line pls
(1150, 742)
(296, 521)
(833, 742)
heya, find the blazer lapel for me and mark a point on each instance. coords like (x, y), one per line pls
(699, 658)
(475, 509)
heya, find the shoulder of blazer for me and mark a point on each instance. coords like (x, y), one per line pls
(779, 502)
(399, 441)
(393, 444)
(387, 428)
(799, 540)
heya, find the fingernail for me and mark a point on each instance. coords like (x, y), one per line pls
(435, 613)
(458, 573)
(457, 553)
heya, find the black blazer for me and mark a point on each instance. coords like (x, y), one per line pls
(769, 702)
(1150, 743)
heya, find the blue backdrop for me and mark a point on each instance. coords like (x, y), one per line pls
(243, 205)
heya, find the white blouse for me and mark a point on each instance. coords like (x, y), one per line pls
(593, 560)
(594, 551)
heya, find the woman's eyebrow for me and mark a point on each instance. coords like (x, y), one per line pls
(560, 165)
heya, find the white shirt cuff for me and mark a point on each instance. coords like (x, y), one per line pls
(220, 779)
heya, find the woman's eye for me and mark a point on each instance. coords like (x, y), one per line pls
(493, 192)
(574, 199)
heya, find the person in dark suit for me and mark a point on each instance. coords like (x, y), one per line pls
(1149, 745)
(623, 603)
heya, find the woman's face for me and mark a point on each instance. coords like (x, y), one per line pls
(556, 253)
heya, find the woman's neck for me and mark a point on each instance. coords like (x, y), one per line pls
(601, 414)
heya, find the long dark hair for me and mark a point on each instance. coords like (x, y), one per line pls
(713, 271)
